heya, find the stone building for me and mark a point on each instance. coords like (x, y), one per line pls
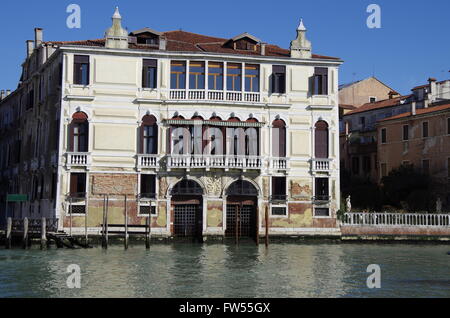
(195, 130)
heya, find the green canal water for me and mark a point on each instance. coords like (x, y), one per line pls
(216, 270)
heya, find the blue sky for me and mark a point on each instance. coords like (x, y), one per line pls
(411, 46)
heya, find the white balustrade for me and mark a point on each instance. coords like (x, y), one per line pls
(78, 159)
(201, 94)
(148, 161)
(279, 163)
(396, 219)
(323, 165)
(212, 161)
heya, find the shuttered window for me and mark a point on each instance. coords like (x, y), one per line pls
(278, 188)
(320, 81)
(279, 79)
(321, 140)
(81, 70)
(150, 73)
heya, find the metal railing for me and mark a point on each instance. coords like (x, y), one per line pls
(34, 225)
(396, 219)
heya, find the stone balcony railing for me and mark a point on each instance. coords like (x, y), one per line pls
(279, 163)
(212, 161)
(148, 161)
(396, 219)
(212, 95)
(321, 165)
(78, 159)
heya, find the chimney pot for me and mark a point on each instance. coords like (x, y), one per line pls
(263, 48)
(8, 92)
(413, 108)
(162, 43)
(2, 94)
(38, 37)
(30, 47)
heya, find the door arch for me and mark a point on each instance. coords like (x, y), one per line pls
(187, 209)
(242, 210)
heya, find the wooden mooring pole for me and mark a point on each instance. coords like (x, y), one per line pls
(25, 233)
(148, 231)
(86, 238)
(257, 226)
(8, 233)
(43, 233)
(126, 224)
(267, 226)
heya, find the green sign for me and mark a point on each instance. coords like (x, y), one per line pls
(16, 198)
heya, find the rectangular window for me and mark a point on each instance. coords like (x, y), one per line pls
(405, 132)
(372, 99)
(448, 167)
(355, 165)
(425, 129)
(279, 211)
(426, 166)
(322, 212)
(234, 77)
(148, 186)
(279, 188)
(279, 79)
(251, 78)
(80, 137)
(150, 74)
(383, 136)
(81, 70)
(178, 75)
(322, 189)
(145, 209)
(366, 164)
(320, 81)
(215, 76)
(150, 139)
(77, 185)
(383, 170)
(196, 75)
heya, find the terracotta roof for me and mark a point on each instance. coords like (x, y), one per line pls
(421, 111)
(344, 106)
(182, 41)
(378, 105)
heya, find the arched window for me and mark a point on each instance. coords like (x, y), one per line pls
(321, 140)
(149, 135)
(187, 187)
(279, 138)
(79, 133)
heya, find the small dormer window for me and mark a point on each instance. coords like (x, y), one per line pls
(146, 36)
(244, 41)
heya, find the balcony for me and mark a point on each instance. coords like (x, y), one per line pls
(321, 165)
(229, 96)
(147, 162)
(78, 159)
(279, 163)
(218, 162)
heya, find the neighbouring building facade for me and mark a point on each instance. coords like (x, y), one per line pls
(369, 90)
(360, 142)
(201, 133)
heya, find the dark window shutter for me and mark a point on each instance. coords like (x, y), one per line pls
(73, 184)
(82, 59)
(71, 128)
(150, 63)
(321, 140)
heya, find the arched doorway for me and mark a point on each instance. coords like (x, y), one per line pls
(187, 207)
(242, 210)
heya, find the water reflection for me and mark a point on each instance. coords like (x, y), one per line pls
(194, 270)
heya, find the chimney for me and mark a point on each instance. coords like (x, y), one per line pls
(413, 108)
(30, 47)
(38, 37)
(162, 43)
(263, 48)
(2, 94)
(426, 103)
(393, 94)
(8, 92)
(432, 93)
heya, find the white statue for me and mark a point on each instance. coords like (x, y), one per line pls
(349, 204)
(438, 205)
